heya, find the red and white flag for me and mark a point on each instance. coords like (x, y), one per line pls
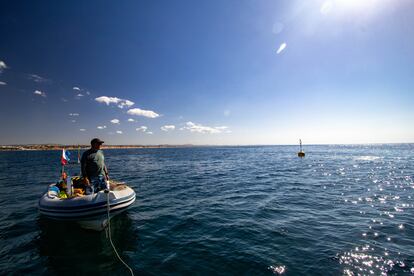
(64, 159)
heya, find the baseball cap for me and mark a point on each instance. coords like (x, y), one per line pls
(96, 141)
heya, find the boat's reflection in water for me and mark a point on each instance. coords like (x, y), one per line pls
(70, 249)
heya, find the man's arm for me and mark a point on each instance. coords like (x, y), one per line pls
(106, 172)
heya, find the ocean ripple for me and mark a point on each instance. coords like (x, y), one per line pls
(342, 210)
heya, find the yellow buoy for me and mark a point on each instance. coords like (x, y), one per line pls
(301, 153)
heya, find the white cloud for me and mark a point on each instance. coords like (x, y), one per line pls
(119, 132)
(79, 95)
(82, 129)
(40, 93)
(126, 103)
(2, 66)
(88, 93)
(281, 48)
(2, 83)
(141, 112)
(115, 121)
(167, 127)
(73, 121)
(37, 78)
(107, 100)
(74, 114)
(204, 129)
(121, 103)
(76, 88)
(142, 128)
(222, 128)
(149, 132)
(101, 127)
(131, 120)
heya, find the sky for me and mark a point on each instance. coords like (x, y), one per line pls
(240, 72)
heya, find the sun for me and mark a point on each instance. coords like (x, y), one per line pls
(347, 7)
(355, 4)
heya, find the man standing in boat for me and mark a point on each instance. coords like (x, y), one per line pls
(93, 167)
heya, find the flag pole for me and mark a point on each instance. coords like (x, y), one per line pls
(61, 162)
(80, 169)
(78, 154)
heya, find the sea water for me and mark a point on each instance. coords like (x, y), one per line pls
(341, 210)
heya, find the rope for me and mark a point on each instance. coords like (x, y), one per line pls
(108, 234)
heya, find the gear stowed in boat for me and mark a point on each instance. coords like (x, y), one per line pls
(56, 204)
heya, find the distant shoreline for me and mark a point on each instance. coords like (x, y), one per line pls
(83, 147)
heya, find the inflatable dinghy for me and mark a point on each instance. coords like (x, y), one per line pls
(87, 208)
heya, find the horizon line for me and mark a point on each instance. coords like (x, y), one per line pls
(200, 145)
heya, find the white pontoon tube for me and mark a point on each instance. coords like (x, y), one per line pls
(86, 208)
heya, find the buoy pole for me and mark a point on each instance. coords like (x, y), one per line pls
(301, 153)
